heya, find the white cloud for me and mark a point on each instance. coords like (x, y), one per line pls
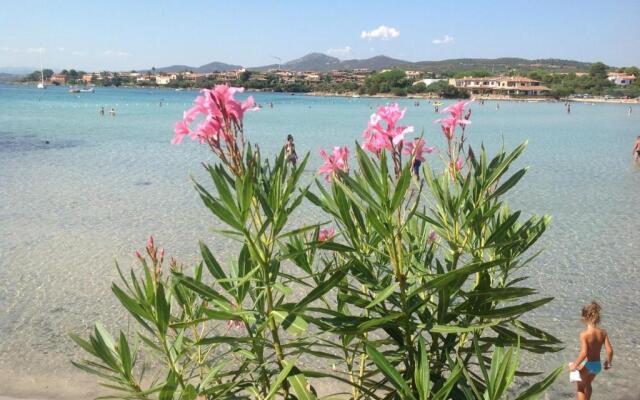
(446, 39)
(8, 49)
(78, 53)
(116, 53)
(35, 49)
(382, 32)
(340, 51)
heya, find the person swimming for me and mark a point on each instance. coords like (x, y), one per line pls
(591, 341)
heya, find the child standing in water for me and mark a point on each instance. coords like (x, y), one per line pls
(591, 341)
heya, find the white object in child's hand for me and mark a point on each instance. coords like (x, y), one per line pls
(574, 375)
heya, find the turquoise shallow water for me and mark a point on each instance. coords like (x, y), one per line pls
(70, 207)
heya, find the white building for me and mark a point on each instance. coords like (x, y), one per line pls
(621, 79)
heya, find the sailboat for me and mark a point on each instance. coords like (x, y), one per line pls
(41, 84)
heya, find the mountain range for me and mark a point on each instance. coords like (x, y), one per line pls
(319, 62)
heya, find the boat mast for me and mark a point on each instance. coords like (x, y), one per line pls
(41, 70)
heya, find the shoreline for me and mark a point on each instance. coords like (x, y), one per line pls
(416, 96)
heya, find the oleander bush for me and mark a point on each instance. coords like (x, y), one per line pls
(412, 286)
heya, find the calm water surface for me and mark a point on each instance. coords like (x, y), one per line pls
(70, 207)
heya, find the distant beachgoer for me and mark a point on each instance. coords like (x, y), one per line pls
(636, 149)
(112, 112)
(290, 151)
(160, 103)
(436, 108)
(591, 341)
(415, 166)
(497, 106)
(630, 110)
(270, 105)
(568, 108)
(102, 111)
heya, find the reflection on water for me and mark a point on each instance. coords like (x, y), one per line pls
(67, 215)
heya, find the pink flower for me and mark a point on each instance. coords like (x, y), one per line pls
(432, 237)
(150, 242)
(326, 234)
(455, 119)
(161, 253)
(379, 136)
(339, 160)
(138, 255)
(459, 164)
(417, 148)
(221, 110)
(233, 324)
(456, 109)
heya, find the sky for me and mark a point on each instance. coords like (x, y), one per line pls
(140, 34)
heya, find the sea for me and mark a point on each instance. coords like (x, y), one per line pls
(80, 191)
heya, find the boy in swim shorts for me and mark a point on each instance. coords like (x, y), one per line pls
(591, 341)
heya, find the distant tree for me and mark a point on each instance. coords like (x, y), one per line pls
(635, 71)
(474, 73)
(245, 75)
(598, 70)
(443, 89)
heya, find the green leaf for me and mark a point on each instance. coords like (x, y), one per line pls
(462, 329)
(214, 267)
(443, 280)
(511, 182)
(200, 288)
(299, 384)
(169, 387)
(448, 385)
(282, 376)
(390, 372)
(292, 323)
(125, 354)
(383, 294)
(538, 388)
(422, 373)
(510, 311)
(163, 310)
(321, 289)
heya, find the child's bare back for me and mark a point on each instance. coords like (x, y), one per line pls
(593, 338)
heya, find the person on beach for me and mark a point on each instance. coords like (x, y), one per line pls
(636, 149)
(290, 151)
(591, 341)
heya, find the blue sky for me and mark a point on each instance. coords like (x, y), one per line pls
(136, 34)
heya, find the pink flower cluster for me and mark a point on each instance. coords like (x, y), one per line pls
(338, 161)
(418, 148)
(456, 118)
(222, 113)
(326, 234)
(383, 130)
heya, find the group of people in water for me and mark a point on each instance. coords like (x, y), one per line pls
(112, 112)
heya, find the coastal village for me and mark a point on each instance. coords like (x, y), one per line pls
(353, 82)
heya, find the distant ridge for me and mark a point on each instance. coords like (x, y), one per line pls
(320, 62)
(211, 67)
